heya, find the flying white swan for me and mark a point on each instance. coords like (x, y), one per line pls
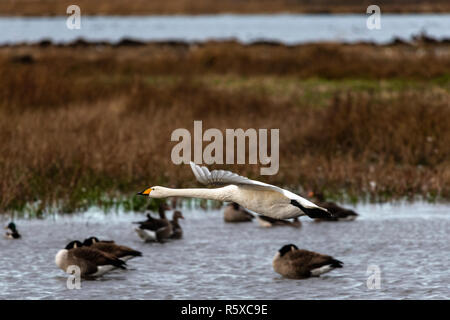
(259, 197)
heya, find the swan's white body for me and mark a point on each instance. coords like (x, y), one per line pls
(259, 197)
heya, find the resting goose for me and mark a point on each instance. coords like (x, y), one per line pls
(12, 232)
(122, 252)
(177, 232)
(92, 262)
(339, 213)
(234, 213)
(268, 222)
(155, 229)
(259, 197)
(294, 263)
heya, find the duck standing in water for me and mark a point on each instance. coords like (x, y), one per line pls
(177, 232)
(268, 222)
(92, 262)
(235, 213)
(122, 252)
(339, 213)
(155, 229)
(294, 263)
(12, 232)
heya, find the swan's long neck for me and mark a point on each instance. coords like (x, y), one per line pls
(220, 194)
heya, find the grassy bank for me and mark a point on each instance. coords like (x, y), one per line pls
(84, 124)
(145, 7)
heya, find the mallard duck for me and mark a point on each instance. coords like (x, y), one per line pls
(12, 232)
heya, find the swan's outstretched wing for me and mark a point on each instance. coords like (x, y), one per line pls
(204, 176)
(223, 177)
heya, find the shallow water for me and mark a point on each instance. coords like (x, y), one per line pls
(409, 243)
(285, 28)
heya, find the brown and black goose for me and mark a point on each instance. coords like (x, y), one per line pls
(92, 262)
(294, 263)
(339, 213)
(268, 222)
(235, 213)
(122, 252)
(177, 232)
(155, 229)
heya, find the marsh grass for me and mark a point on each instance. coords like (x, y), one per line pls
(89, 125)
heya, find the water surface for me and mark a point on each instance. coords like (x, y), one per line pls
(409, 243)
(284, 28)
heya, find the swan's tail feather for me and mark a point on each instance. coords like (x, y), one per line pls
(313, 212)
(317, 213)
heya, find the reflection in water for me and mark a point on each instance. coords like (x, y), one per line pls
(216, 260)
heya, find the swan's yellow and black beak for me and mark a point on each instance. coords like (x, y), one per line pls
(145, 192)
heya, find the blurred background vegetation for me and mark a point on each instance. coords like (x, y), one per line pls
(145, 7)
(85, 124)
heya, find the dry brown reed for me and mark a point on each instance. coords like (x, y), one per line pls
(78, 123)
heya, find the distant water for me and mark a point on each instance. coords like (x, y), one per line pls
(284, 28)
(409, 243)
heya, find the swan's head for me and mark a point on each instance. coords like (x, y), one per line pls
(155, 192)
